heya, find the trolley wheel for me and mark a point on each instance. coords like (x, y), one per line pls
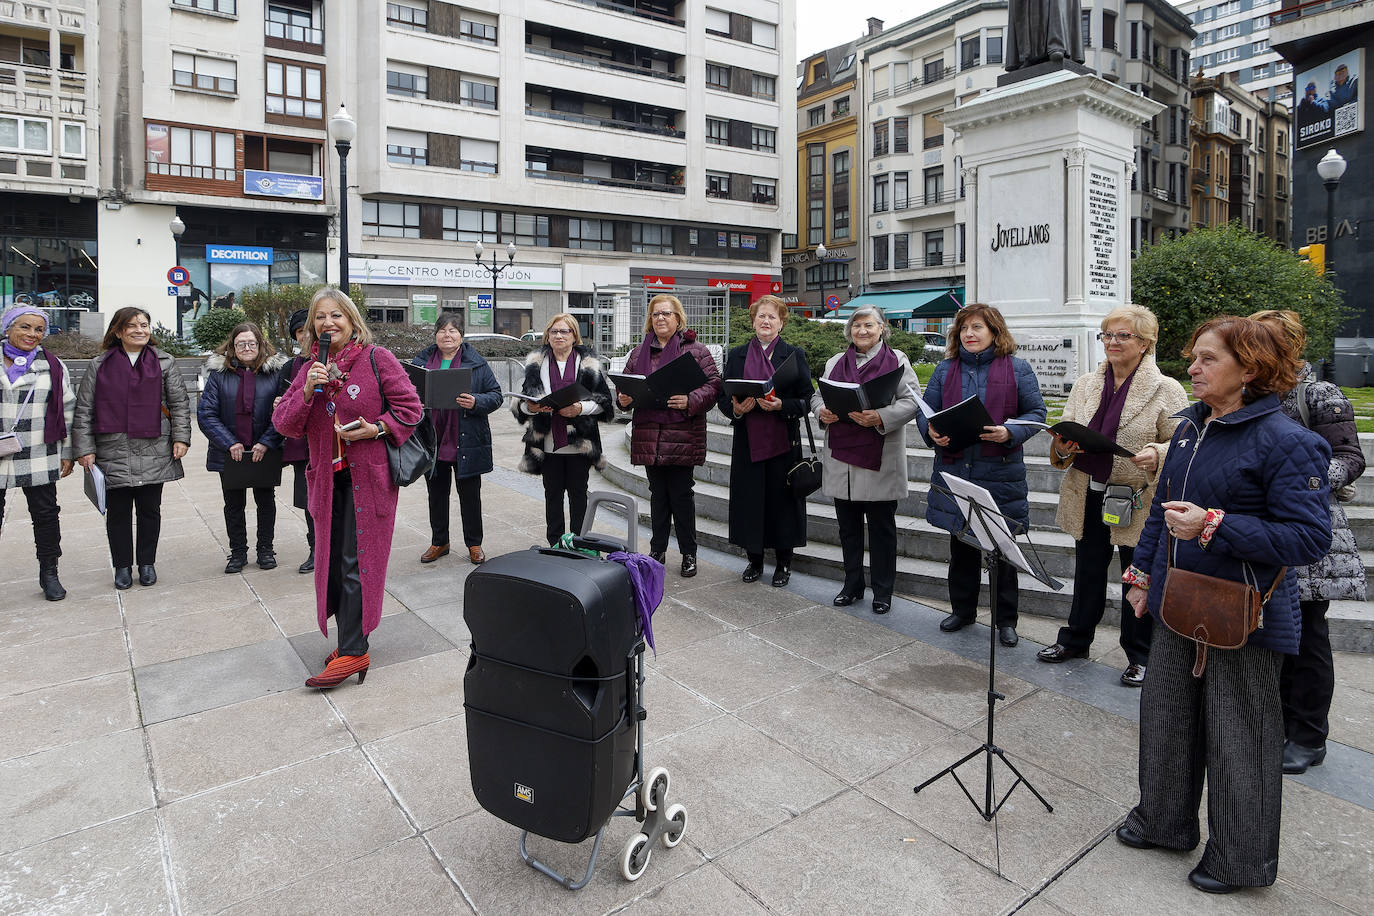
(634, 858)
(677, 818)
(654, 789)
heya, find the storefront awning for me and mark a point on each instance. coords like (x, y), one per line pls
(903, 304)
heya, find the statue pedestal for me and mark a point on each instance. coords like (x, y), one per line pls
(1046, 167)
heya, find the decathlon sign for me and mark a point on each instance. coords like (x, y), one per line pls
(237, 254)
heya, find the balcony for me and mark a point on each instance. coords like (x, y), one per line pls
(611, 123)
(584, 60)
(1200, 178)
(928, 78)
(640, 8)
(30, 89)
(918, 201)
(577, 178)
(288, 37)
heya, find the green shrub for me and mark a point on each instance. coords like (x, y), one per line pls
(213, 328)
(168, 342)
(270, 306)
(820, 340)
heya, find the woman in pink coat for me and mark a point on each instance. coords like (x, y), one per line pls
(336, 403)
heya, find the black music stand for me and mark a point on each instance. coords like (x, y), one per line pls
(985, 527)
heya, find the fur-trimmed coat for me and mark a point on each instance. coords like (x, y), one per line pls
(1147, 420)
(583, 433)
(216, 413)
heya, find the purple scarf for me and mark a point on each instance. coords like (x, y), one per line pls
(648, 356)
(559, 380)
(646, 581)
(1106, 421)
(767, 429)
(1000, 399)
(128, 398)
(243, 410)
(446, 422)
(23, 361)
(849, 442)
(54, 417)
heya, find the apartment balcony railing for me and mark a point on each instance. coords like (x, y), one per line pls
(925, 200)
(922, 262)
(293, 37)
(30, 89)
(602, 64)
(612, 123)
(633, 10)
(1200, 177)
(925, 79)
(576, 178)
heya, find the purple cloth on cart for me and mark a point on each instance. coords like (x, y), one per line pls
(646, 580)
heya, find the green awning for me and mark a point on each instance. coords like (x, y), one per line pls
(903, 304)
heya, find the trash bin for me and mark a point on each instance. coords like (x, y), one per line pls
(1351, 354)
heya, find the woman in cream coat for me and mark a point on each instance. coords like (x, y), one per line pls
(1138, 412)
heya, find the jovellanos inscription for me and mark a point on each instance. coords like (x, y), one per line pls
(1017, 236)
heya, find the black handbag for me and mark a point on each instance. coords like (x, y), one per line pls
(804, 477)
(413, 458)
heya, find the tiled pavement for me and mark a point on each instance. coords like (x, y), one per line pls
(158, 752)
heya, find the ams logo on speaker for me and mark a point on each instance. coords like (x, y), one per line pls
(524, 793)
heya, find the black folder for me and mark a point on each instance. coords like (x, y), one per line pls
(783, 375)
(248, 474)
(844, 398)
(682, 375)
(1089, 440)
(963, 423)
(563, 397)
(439, 388)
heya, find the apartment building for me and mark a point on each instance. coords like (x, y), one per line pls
(827, 194)
(49, 114)
(1233, 37)
(1239, 157)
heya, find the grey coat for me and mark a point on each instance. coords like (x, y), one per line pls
(129, 462)
(1340, 574)
(889, 482)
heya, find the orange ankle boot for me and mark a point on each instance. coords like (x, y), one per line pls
(340, 669)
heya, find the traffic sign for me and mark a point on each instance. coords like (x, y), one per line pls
(178, 276)
(171, 290)
(832, 303)
(484, 300)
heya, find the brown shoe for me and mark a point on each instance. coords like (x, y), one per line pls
(476, 556)
(434, 553)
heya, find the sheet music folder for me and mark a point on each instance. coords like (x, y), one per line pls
(844, 398)
(439, 388)
(1089, 440)
(682, 375)
(986, 528)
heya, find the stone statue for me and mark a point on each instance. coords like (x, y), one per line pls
(1040, 31)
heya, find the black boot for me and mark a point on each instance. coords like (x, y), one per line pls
(237, 560)
(47, 580)
(267, 557)
(309, 564)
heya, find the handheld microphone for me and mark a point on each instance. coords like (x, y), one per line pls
(324, 357)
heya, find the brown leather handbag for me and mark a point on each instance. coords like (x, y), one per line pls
(1210, 611)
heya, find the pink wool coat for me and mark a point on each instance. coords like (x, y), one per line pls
(374, 495)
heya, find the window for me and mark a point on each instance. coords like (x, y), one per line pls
(1227, 31)
(764, 191)
(1282, 145)
(764, 34)
(228, 7)
(1108, 29)
(900, 129)
(25, 135)
(841, 223)
(292, 24)
(900, 243)
(477, 94)
(968, 52)
(880, 200)
(186, 152)
(840, 166)
(1087, 28)
(717, 131)
(764, 86)
(480, 32)
(294, 91)
(73, 140)
(834, 274)
(467, 225)
(789, 241)
(815, 222)
(1280, 185)
(934, 131)
(1259, 182)
(717, 22)
(718, 77)
(935, 248)
(901, 190)
(815, 117)
(995, 46)
(1226, 55)
(718, 185)
(789, 277)
(408, 15)
(525, 229)
(478, 156)
(880, 252)
(934, 184)
(651, 238)
(1135, 42)
(841, 107)
(391, 220)
(880, 131)
(591, 234)
(1259, 139)
(407, 147)
(407, 80)
(209, 74)
(764, 139)
(933, 70)
(1228, 8)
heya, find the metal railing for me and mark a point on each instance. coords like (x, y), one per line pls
(603, 64)
(285, 31)
(925, 200)
(611, 123)
(631, 10)
(576, 178)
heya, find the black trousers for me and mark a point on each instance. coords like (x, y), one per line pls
(121, 506)
(1225, 726)
(301, 500)
(881, 518)
(672, 504)
(344, 598)
(236, 525)
(564, 474)
(469, 504)
(43, 510)
(1308, 680)
(1092, 561)
(965, 577)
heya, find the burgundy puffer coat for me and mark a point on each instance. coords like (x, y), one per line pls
(659, 442)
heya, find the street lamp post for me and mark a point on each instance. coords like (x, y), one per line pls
(178, 228)
(820, 273)
(1331, 168)
(494, 269)
(344, 129)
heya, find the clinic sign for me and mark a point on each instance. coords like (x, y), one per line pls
(283, 184)
(238, 254)
(388, 272)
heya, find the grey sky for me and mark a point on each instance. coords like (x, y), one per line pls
(824, 24)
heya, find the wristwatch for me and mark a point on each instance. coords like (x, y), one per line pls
(381, 430)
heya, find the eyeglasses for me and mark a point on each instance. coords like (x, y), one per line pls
(246, 345)
(558, 332)
(664, 315)
(1124, 336)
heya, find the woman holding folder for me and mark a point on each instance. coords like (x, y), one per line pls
(979, 361)
(464, 435)
(670, 440)
(864, 459)
(1128, 400)
(235, 413)
(764, 512)
(563, 445)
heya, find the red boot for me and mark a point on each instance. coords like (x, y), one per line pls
(340, 669)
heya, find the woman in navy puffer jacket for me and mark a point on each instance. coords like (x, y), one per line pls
(1242, 495)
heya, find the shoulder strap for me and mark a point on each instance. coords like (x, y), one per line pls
(810, 440)
(381, 389)
(20, 415)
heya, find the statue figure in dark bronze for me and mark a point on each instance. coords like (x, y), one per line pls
(1043, 31)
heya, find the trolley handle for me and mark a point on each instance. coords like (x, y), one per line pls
(625, 503)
